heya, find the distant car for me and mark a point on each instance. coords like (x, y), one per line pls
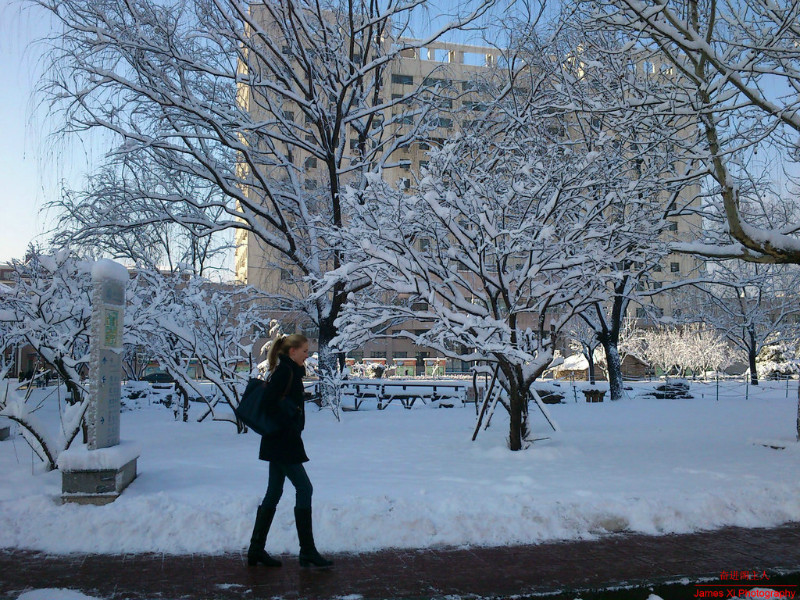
(159, 377)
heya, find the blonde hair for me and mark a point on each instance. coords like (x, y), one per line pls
(281, 345)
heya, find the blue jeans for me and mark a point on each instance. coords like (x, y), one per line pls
(278, 472)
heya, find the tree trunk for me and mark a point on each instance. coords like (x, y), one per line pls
(751, 359)
(515, 430)
(614, 365)
(328, 361)
(590, 358)
(185, 407)
(518, 405)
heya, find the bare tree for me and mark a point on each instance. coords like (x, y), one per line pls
(49, 308)
(186, 322)
(613, 102)
(115, 216)
(753, 305)
(490, 251)
(247, 98)
(735, 65)
(583, 338)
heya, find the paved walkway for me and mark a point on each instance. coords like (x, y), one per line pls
(409, 574)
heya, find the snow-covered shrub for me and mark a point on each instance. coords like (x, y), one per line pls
(777, 361)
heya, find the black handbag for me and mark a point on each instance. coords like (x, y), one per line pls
(254, 407)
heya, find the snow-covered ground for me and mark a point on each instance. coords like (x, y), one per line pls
(413, 478)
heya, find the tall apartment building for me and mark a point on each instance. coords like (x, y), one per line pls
(450, 71)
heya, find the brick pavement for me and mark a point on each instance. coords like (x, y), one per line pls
(547, 568)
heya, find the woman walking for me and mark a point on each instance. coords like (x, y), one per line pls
(285, 452)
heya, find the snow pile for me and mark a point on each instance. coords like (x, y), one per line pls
(108, 269)
(576, 362)
(412, 478)
(80, 458)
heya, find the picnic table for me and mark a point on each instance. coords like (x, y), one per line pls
(405, 392)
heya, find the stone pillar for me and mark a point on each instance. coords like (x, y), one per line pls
(105, 366)
(99, 473)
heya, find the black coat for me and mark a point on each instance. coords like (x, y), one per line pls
(286, 446)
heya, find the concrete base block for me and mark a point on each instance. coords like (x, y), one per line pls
(96, 486)
(5, 433)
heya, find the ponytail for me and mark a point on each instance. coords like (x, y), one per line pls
(281, 345)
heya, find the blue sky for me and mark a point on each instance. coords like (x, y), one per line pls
(21, 191)
(30, 168)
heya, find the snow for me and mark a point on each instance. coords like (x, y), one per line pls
(54, 594)
(576, 362)
(80, 458)
(108, 269)
(412, 478)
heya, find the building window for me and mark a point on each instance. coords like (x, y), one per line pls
(433, 81)
(446, 123)
(286, 275)
(657, 268)
(640, 313)
(423, 164)
(378, 354)
(424, 146)
(674, 267)
(288, 115)
(405, 164)
(673, 226)
(657, 285)
(419, 306)
(402, 79)
(311, 162)
(400, 354)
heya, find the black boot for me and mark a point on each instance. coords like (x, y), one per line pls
(256, 553)
(308, 551)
